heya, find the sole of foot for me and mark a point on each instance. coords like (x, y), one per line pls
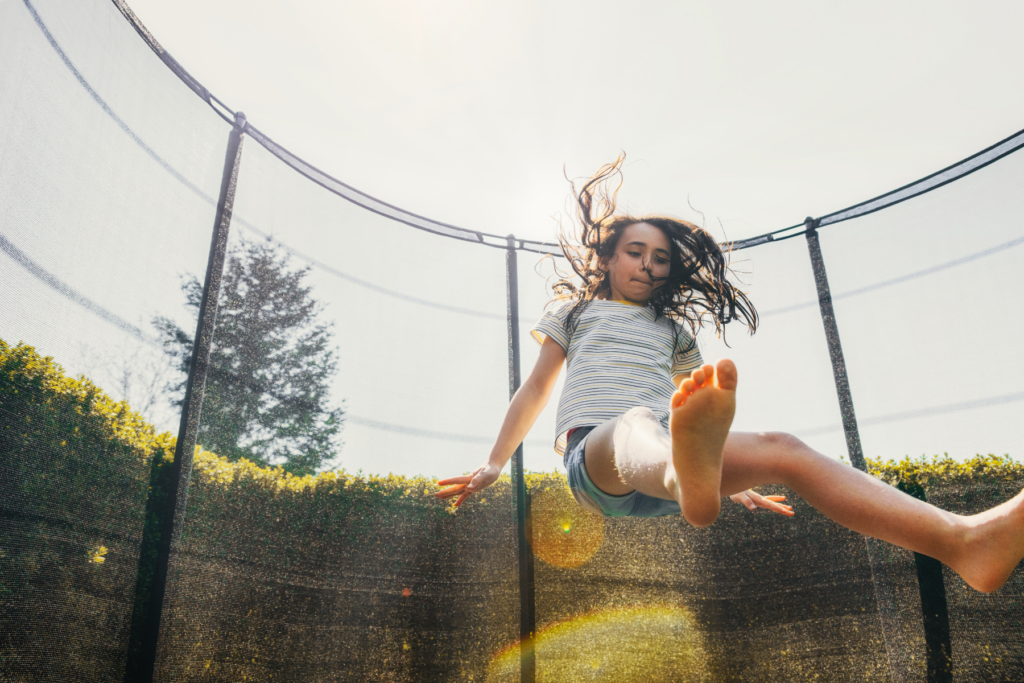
(994, 545)
(702, 412)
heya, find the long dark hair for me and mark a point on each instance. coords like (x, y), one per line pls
(696, 290)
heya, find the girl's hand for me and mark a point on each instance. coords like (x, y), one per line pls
(753, 500)
(468, 484)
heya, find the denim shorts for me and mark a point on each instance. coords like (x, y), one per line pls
(593, 499)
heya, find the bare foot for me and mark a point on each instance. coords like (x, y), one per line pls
(993, 546)
(702, 411)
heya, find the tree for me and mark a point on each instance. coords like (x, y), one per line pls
(136, 373)
(267, 385)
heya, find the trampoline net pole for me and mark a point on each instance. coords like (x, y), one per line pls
(934, 608)
(527, 616)
(835, 352)
(835, 349)
(172, 514)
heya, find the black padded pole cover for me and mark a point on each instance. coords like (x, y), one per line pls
(173, 515)
(527, 613)
(934, 608)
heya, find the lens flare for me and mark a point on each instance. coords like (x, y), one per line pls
(648, 643)
(564, 534)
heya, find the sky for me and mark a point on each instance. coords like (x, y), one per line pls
(743, 117)
(756, 114)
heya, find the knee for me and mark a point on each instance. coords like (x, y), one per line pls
(786, 452)
(782, 442)
(635, 420)
(640, 414)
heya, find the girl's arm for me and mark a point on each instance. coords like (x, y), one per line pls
(522, 413)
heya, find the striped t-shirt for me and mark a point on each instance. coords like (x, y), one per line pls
(618, 358)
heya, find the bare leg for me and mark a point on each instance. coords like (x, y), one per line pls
(983, 548)
(634, 452)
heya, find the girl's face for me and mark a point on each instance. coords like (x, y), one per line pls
(640, 264)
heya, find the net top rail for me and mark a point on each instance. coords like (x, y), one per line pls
(914, 189)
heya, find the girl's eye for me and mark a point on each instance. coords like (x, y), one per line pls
(659, 261)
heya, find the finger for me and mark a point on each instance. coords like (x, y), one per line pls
(449, 492)
(769, 503)
(782, 510)
(464, 479)
(772, 505)
(462, 498)
(755, 499)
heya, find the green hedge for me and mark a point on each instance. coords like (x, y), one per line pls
(285, 577)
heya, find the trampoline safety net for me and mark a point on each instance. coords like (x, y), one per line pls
(348, 354)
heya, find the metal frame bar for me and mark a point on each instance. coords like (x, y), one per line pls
(929, 571)
(835, 352)
(835, 349)
(173, 513)
(527, 605)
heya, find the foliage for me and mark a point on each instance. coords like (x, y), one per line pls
(268, 381)
(75, 460)
(22, 368)
(29, 377)
(942, 469)
(73, 456)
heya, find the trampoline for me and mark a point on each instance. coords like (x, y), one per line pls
(130, 550)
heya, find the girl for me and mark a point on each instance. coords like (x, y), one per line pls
(644, 424)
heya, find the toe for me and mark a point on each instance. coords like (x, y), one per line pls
(699, 377)
(725, 375)
(678, 399)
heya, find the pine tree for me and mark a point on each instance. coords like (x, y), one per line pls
(267, 386)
